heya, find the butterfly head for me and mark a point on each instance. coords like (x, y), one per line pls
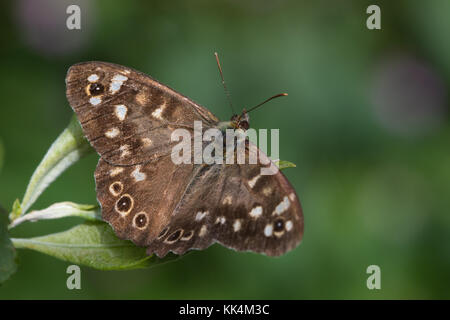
(241, 121)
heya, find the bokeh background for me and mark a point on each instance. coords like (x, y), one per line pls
(366, 121)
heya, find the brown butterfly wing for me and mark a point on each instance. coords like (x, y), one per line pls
(127, 116)
(138, 201)
(238, 207)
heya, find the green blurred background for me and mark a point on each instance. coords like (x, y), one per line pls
(366, 121)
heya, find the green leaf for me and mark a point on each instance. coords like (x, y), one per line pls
(7, 252)
(61, 210)
(67, 149)
(283, 164)
(92, 244)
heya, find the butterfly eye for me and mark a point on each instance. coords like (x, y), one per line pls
(96, 89)
(278, 225)
(244, 125)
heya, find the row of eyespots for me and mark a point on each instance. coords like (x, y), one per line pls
(125, 204)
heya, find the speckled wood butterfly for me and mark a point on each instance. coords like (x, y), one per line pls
(128, 118)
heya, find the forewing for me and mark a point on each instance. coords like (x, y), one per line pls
(127, 116)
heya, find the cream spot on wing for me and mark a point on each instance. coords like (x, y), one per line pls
(278, 233)
(138, 175)
(203, 231)
(157, 113)
(253, 181)
(112, 133)
(267, 191)
(116, 83)
(146, 142)
(93, 77)
(142, 97)
(268, 230)
(282, 207)
(256, 212)
(119, 77)
(220, 220)
(121, 112)
(95, 101)
(115, 86)
(114, 172)
(292, 196)
(227, 200)
(237, 225)
(124, 150)
(200, 215)
(289, 225)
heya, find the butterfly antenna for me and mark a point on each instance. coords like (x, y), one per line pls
(223, 82)
(275, 96)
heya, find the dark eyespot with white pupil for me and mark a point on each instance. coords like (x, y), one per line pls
(141, 220)
(124, 203)
(278, 225)
(96, 88)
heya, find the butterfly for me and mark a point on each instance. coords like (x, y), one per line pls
(128, 118)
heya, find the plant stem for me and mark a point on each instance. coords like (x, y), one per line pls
(68, 148)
